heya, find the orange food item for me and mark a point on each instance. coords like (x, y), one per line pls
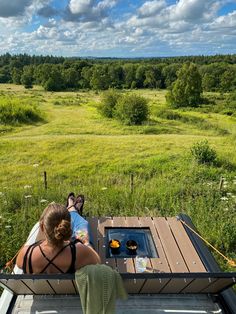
(114, 244)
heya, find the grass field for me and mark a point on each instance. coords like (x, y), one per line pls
(83, 152)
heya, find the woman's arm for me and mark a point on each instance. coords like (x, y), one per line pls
(20, 257)
(85, 255)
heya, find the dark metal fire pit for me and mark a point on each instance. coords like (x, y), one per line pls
(141, 236)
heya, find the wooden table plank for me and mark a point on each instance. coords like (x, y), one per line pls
(102, 223)
(158, 264)
(132, 222)
(172, 252)
(189, 253)
(119, 222)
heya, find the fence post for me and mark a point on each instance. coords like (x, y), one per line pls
(45, 180)
(131, 182)
(221, 183)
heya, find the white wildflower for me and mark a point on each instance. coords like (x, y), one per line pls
(43, 201)
(28, 196)
(104, 188)
(27, 187)
(224, 198)
(35, 165)
(8, 227)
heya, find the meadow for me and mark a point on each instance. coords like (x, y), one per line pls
(82, 151)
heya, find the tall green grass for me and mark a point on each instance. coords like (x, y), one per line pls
(16, 111)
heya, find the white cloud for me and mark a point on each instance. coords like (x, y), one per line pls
(151, 8)
(80, 6)
(191, 10)
(226, 21)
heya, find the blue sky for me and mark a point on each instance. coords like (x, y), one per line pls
(118, 28)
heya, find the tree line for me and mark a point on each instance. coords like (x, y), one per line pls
(218, 73)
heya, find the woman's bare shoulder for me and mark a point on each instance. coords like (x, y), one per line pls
(20, 256)
(86, 255)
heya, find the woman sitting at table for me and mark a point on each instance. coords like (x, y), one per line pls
(55, 254)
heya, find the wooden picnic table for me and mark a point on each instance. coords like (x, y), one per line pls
(176, 253)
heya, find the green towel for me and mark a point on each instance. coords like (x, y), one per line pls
(99, 286)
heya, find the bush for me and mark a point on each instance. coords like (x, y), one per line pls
(13, 112)
(203, 153)
(132, 109)
(109, 101)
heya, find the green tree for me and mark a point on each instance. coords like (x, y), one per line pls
(208, 82)
(27, 77)
(5, 76)
(115, 73)
(140, 75)
(187, 89)
(55, 81)
(228, 80)
(129, 70)
(86, 74)
(16, 75)
(100, 79)
(70, 77)
(169, 73)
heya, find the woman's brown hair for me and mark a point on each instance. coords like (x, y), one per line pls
(56, 224)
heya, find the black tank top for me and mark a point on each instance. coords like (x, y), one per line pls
(28, 258)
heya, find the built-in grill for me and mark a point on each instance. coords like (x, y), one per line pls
(142, 236)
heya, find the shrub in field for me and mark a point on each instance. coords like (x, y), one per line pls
(132, 109)
(168, 114)
(203, 153)
(109, 101)
(12, 112)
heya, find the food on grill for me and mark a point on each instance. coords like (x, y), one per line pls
(131, 245)
(114, 244)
